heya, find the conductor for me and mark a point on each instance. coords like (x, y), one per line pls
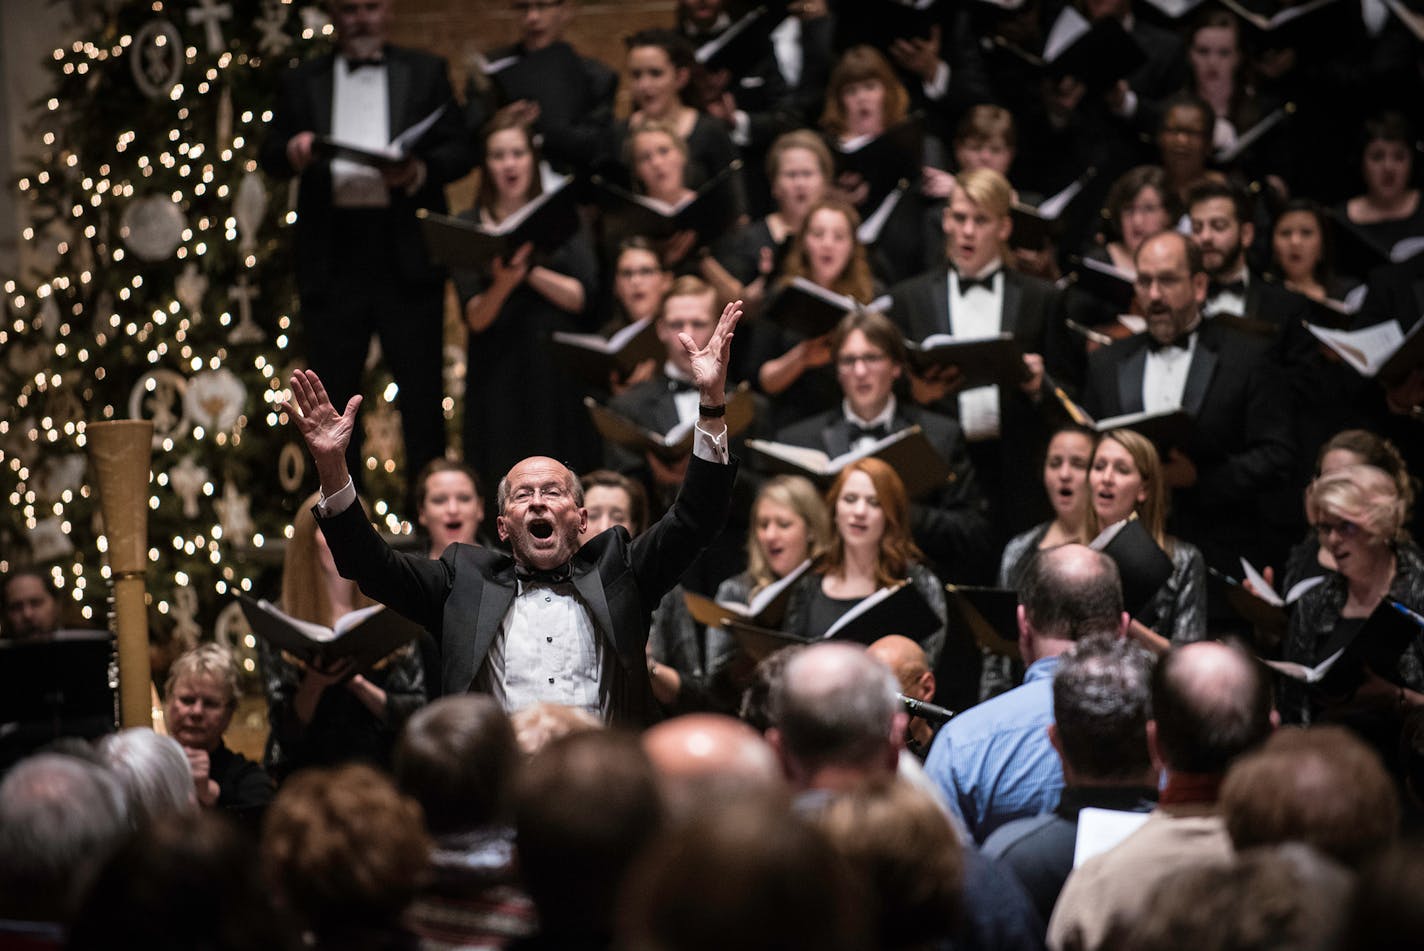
(550, 622)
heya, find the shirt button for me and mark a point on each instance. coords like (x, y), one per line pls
(549, 639)
(547, 599)
(551, 680)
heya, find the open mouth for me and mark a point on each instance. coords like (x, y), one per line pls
(541, 528)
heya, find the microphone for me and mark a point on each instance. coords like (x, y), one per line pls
(925, 710)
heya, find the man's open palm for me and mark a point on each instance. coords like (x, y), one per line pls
(327, 432)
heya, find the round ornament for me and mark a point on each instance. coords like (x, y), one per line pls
(215, 399)
(156, 58)
(152, 227)
(158, 396)
(291, 467)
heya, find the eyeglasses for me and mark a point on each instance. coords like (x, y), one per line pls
(1346, 530)
(871, 360)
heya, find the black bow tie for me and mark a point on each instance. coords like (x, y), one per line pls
(561, 574)
(967, 284)
(354, 64)
(1229, 287)
(857, 431)
(680, 386)
(1181, 340)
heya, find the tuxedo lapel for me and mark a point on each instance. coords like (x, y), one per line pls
(1130, 374)
(939, 305)
(322, 90)
(398, 81)
(496, 595)
(1013, 305)
(1198, 378)
(590, 587)
(836, 437)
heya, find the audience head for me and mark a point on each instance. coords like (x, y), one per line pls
(1127, 478)
(1300, 242)
(747, 875)
(1139, 205)
(585, 807)
(448, 504)
(703, 759)
(1102, 700)
(510, 174)
(1355, 506)
(690, 307)
(976, 221)
(827, 251)
(1211, 703)
(535, 727)
(344, 850)
(1387, 161)
(201, 696)
(1285, 898)
(1386, 914)
(900, 843)
(1066, 464)
(542, 23)
(612, 498)
(541, 513)
(1171, 284)
(657, 155)
(1184, 137)
(660, 67)
(361, 26)
(639, 278)
(31, 604)
(1066, 594)
(1222, 225)
(1320, 786)
(835, 717)
(870, 356)
(191, 881)
(153, 772)
(799, 168)
(986, 138)
(906, 660)
(60, 817)
(870, 508)
(1411, 758)
(457, 757)
(863, 96)
(789, 524)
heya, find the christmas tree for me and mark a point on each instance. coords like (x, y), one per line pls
(161, 287)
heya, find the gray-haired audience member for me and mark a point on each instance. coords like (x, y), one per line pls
(1101, 704)
(458, 758)
(1279, 898)
(837, 724)
(1211, 703)
(993, 763)
(1322, 786)
(60, 817)
(153, 772)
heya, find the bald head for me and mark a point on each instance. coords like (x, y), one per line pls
(1210, 703)
(836, 706)
(541, 513)
(1068, 593)
(907, 661)
(703, 758)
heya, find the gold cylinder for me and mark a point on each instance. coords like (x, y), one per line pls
(120, 452)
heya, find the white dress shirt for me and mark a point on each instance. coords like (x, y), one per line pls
(883, 418)
(979, 313)
(360, 115)
(1165, 378)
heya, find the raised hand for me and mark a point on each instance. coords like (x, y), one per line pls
(326, 432)
(709, 364)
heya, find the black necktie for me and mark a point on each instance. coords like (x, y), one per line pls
(857, 431)
(1229, 287)
(354, 64)
(560, 574)
(967, 284)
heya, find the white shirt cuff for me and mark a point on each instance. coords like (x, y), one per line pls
(1129, 105)
(939, 85)
(741, 128)
(338, 502)
(707, 447)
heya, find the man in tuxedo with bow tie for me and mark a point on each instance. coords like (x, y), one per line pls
(1241, 448)
(976, 296)
(951, 524)
(361, 264)
(553, 621)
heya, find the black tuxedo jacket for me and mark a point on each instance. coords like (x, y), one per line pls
(951, 525)
(463, 597)
(418, 84)
(1243, 446)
